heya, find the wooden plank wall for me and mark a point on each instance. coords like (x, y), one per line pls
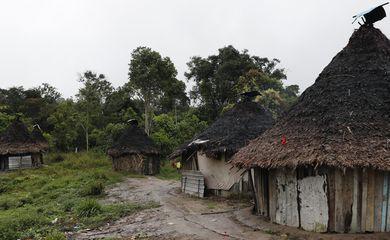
(358, 201)
(287, 211)
(272, 193)
(261, 191)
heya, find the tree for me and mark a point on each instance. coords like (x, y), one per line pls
(91, 98)
(217, 76)
(153, 80)
(65, 120)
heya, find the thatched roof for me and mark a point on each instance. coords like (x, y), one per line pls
(343, 120)
(16, 140)
(133, 141)
(233, 130)
(38, 137)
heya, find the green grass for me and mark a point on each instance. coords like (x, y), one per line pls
(167, 172)
(62, 196)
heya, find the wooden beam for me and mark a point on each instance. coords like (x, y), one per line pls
(378, 201)
(331, 199)
(364, 199)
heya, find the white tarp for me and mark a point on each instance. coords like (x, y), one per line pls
(218, 173)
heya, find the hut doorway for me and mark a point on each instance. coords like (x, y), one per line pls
(3, 163)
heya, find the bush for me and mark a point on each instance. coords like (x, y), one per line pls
(56, 158)
(8, 232)
(55, 235)
(93, 189)
(88, 208)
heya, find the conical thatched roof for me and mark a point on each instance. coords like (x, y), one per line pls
(38, 137)
(133, 141)
(17, 140)
(233, 130)
(343, 120)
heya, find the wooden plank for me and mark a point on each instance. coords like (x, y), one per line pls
(370, 201)
(256, 187)
(388, 204)
(378, 201)
(261, 192)
(287, 205)
(331, 199)
(339, 218)
(355, 225)
(384, 201)
(364, 199)
(347, 196)
(272, 195)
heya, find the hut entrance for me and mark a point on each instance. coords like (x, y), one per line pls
(3, 163)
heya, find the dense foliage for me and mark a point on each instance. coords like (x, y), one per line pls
(154, 96)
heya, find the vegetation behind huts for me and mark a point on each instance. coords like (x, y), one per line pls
(98, 112)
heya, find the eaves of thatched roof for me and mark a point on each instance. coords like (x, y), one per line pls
(16, 140)
(133, 141)
(233, 130)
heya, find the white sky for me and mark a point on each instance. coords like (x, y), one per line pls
(53, 41)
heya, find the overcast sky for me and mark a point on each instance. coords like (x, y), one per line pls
(53, 41)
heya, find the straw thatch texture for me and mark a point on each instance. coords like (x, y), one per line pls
(133, 141)
(343, 120)
(233, 130)
(16, 140)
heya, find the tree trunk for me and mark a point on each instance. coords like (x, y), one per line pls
(147, 112)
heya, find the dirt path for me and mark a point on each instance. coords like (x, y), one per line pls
(179, 217)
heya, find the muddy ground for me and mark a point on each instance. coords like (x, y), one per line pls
(182, 217)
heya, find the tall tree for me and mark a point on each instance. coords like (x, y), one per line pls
(91, 98)
(217, 76)
(153, 80)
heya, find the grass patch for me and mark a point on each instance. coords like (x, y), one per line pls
(62, 196)
(168, 172)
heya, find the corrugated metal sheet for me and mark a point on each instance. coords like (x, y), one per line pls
(19, 162)
(192, 182)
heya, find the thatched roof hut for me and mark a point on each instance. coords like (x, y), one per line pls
(325, 165)
(342, 120)
(209, 151)
(233, 130)
(19, 149)
(16, 140)
(135, 151)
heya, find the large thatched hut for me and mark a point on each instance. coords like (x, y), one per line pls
(18, 149)
(325, 165)
(210, 151)
(135, 152)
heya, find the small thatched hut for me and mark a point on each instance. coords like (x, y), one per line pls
(210, 151)
(18, 149)
(135, 152)
(325, 165)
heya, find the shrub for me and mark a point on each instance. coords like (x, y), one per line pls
(55, 235)
(8, 232)
(88, 208)
(93, 189)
